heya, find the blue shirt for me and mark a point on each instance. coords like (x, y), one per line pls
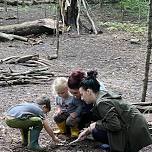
(70, 105)
(26, 110)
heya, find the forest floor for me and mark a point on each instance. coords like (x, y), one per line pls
(119, 62)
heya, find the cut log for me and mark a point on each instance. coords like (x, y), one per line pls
(6, 36)
(17, 37)
(31, 27)
(12, 37)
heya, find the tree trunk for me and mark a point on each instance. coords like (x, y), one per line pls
(72, 13)
(149, 46)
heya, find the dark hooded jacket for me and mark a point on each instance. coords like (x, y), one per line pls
(126, 127)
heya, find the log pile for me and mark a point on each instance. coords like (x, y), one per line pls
(39, 71)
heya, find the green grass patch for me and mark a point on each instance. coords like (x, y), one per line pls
(128, 27)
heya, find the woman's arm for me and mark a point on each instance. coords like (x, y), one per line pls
(110, 119)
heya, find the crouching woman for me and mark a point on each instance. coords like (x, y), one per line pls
(30, 119)
(118, 123)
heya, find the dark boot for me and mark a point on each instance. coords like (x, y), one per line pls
(24, 134)
(33, 137)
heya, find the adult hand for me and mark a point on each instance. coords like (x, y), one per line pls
(92, 126)
(83, 134)
(57, 140)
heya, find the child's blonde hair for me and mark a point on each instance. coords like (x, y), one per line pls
(59, 84)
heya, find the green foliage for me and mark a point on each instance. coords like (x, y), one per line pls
(137, 6)
(132, 28)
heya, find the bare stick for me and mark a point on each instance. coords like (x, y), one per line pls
(89, 17)
(57, 31)
(78, 16)
(9, 58)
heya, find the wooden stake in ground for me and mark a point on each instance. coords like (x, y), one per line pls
(78, 16)
(149, 46)
(57, 31)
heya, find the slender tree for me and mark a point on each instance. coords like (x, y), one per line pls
(149, 46)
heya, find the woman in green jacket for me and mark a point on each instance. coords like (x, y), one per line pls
(118, 123)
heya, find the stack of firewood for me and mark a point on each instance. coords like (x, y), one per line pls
(40, 71)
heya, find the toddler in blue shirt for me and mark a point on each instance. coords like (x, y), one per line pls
(68, 108)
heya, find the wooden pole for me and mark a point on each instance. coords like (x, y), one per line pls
(57, 29)
(17, 13)
(5, 5)
(149, 46)
(78, 16)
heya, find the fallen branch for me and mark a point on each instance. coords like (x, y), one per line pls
(9, 58)
(17, 59)
(31, 27)
(36, 62)
(27, 58)
(30, 71)
(29, 64)
(45, 61)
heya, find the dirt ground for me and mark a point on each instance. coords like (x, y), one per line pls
(120, 65)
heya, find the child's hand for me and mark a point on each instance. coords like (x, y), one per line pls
(57, 140)
(73, 115)
(58, 110)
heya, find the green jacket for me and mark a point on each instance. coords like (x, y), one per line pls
(126, 127)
